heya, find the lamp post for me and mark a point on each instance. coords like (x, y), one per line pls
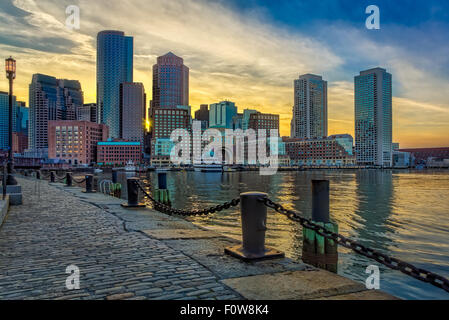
(10, 67)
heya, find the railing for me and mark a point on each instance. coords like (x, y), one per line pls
(254, 213)
(254, 207)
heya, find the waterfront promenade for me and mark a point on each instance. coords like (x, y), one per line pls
(138, 254)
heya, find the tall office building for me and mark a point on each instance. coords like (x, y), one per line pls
(310, 109)
(373, 117)
(221, 115)
(132, 106)
(203, 116)
(170, 82)
(114, 66)
(88, 112)
(4, 120)
(50, 99)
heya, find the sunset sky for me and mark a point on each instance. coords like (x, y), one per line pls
(250, 51)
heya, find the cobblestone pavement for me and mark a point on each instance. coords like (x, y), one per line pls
(53, 229)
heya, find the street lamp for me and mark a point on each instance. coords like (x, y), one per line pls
(10, 67)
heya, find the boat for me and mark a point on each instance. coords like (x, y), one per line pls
(229, 169)
(162, 169)
(98, 171)
(208, 168)
(130, 167)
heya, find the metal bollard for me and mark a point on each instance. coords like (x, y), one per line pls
(162, 180)
(68, 178)
(38, 175)
(52, 177)
(89, 183)
(317, 250)
(254, 218)
(114, 176)
(133, 194)
(320, 201)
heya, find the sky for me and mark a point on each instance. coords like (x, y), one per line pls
(250, 52)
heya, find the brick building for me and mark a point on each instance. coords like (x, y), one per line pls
(112, 153)
(75, 141)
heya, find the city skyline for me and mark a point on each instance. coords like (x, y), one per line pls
(228, 64)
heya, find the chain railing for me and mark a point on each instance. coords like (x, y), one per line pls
(78, 181)
(171, 211)
(390, 262)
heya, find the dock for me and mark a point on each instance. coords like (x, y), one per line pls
(139, 254)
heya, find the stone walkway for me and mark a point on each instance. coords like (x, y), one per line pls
(53, 229)
(139, 254)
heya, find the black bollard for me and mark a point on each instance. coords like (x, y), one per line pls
(133, 194)
(114, 176)
(254, 218)
(320, 201)
(52, 177)
(89, 183)
(68, 178)
(38, 175)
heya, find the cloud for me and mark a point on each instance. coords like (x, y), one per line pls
(244, 57)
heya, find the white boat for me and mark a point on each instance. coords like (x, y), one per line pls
(208, 168)
(162, 169)
(98, 171)
(130, 167)
(228, 169)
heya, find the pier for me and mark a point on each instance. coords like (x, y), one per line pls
(139, 254)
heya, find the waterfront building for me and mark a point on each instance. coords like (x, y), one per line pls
(50, 99)
(310, 108)
(170, 82)
(336, 150)
(203, 115)
(75, 142)
(132, 106)
(422, 155)
(114, 66)
(221, 115)
(402, 159)
(165, 122)
(373, 117)
(19, 142)
(118, 152)
(87, 112)
(263, 121)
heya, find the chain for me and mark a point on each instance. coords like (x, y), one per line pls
(390, 262)
(171, 211)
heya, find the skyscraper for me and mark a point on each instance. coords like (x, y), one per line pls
(114, 66)
(170, 82)
(4, 120)
(50, 99)
(221, 114)
(310, 109)
(373, 117)
(132, 106)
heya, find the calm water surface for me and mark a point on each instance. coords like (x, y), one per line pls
(401, 213)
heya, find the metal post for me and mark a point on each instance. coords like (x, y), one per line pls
(52, 177)
(320, 201)
(68, 178)
(89, 183)
(133, 194)
(114, 176)
(5, 173)
(254, 218)
(162, 180)
(11, 181)
(38, 175)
